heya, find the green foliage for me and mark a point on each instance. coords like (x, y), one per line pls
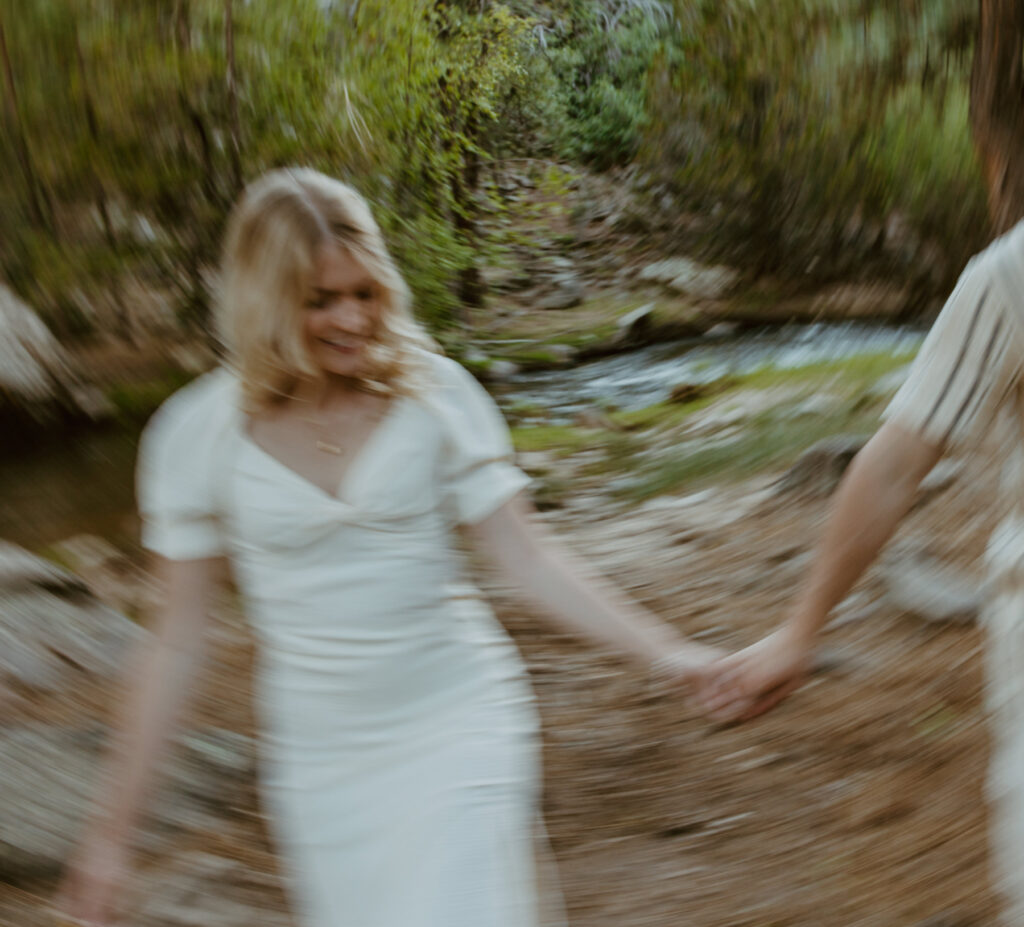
(132, 127)
(805, 125)
(800, 129)
(134, 403)
(601, 54)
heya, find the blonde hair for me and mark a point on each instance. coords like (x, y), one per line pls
(272, 239)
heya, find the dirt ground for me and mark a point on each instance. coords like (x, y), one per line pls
(857, 803)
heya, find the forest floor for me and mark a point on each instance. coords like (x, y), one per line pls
(858, 803)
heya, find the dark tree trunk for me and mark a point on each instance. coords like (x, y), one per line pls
(997, 107)
(236, 132)
(124, 326)
(39, 205)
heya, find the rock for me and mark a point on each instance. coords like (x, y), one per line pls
(211, 765)
(503, 279)
(535, 463)
(199, 889)
(93, 402)
(822, 405)
(596, 418)
(559, 264)
(944, 474)
(561, 353)
(855, 607)
(501, 370)
(690, 392)
(722, 330)
(635, 323)
(819, 469)
(19, 570)
(112, 576)
(885, 387)
(48, 775)
(918, 583)
(860, 300)
(87, 553)
(733, 410)
(52, 628)
(690, 278)
(36, 377)
(476, 357)
(564, 290)
(708, 509)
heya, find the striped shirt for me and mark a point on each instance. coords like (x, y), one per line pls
(972, 361)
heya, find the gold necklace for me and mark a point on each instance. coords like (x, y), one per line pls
(331, 447)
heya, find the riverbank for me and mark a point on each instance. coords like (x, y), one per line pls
(859, 802)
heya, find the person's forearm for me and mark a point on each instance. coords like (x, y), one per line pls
(153, 698)
(582, 602)
(871, 501)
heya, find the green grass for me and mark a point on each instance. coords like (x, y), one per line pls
(857, 372)
(768, 439)
(563, 439)
(664, 414)
(766, 442)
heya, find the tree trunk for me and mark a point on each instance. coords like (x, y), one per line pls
(997, 108)
(37, 199)
(124, 326)
(236, 144)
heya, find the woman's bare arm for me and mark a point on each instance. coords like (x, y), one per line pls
(157, 683)
(573, 595)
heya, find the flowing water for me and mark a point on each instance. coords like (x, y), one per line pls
(84, 484)
(646, 376)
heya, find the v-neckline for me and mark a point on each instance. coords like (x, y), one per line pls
(344, 482)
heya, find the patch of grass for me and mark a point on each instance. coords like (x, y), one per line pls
(767, 441)
(565, 439)
(663, 414)
(57, 557)
(621, 455)
(858, 371)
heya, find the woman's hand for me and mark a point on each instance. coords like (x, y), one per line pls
(93, 881)
(689, 667)
(752, 681)
(581, 601)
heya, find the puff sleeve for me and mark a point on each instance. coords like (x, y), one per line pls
(477, 471)
(968, 364)
(176, 473)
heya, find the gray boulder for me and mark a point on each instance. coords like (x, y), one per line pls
(48, 777)
(920, 584)
(52, 629)
(686, 276)
(819, 469)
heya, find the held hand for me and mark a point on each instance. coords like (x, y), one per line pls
(686, 667)
(755, 679)
(92, 883)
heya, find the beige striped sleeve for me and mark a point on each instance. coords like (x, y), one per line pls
(967, 366)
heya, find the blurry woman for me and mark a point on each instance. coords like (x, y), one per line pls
(331, 460)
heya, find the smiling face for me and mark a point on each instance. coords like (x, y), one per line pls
(340, 313)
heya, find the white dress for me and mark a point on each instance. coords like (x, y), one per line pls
(400, 737)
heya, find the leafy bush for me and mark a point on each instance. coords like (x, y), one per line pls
(804, 127)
